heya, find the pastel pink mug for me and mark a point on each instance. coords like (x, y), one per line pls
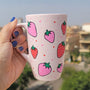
(46, 35)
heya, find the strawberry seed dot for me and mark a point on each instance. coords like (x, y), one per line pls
(44, 55)
(53, 46)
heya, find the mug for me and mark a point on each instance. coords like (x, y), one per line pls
(46, 35)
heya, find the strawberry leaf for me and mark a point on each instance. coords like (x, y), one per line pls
(28, 24)
(59, 65)
(47, 65)
(33, 48)
(64, 23)
(47, 32)
(63, 43)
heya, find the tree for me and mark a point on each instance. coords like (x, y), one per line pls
(77, 81)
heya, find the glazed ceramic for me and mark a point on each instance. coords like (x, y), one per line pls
(46, 35)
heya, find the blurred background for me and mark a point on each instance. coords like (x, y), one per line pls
(76, 72)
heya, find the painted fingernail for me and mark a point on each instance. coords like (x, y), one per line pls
(16, 33)
(21, 48)
(12, 19)
(14, 43)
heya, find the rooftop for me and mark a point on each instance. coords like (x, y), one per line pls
(86, 24)
(84, 32)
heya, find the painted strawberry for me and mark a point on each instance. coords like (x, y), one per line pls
(60, 67)
(32, 29)
(44, 69)
(63, 26)
(49, 36)
(60, 49)
(34, 52)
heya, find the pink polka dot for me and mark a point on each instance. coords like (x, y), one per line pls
(53, 46)
(54, 21)
(35, 40)
(42, 45)
(33, 67)
(61, 37)
(51, 59)
(35, 74)
(40, 21)
(44, 55)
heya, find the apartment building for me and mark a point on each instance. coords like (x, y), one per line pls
(72, 40)
(85, 39)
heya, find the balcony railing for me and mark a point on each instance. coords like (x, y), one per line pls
(85, 40)
(84, 50)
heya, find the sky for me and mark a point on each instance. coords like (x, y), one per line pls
(78, 11)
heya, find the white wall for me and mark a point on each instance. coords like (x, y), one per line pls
(86, 28)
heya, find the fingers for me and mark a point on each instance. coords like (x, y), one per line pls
(7, 30)
(22, 47)
(19, 41)
(17, 31)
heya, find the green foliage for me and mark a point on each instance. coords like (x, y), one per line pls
(75, 53)
(23, 80)
(14, 86)
(67, 72)
(87, 55)
(76, 61)
(76, 80)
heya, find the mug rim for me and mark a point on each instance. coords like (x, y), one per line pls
(51, 14)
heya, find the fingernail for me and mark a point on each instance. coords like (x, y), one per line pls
(21, 48)
(12, 19)
(14, 43)
(16, 33)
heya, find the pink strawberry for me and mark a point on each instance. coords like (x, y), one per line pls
(60, 67)
(63, 26)
(34, 52)
(44, 69)
(32, 29)
(60, 49)
(50, 36)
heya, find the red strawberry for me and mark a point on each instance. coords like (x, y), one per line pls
(60, 67)
(50, 36)
(63, 26)
(44, 69)
(34, 52)
(60, 49)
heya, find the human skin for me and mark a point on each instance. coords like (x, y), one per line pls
(11, 61)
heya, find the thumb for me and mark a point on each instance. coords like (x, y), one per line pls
(7, 31)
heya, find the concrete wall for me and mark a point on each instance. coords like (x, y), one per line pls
(86, 28)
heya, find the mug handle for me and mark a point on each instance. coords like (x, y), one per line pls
(24, 25)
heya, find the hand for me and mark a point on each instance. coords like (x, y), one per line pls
(11, 61)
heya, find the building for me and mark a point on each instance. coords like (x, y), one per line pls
(86, 27)
(20, 20)
(72, 40)
(85, 39)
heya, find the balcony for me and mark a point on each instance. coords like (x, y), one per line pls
(85, 41)
(83, 50)
(84, 33)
